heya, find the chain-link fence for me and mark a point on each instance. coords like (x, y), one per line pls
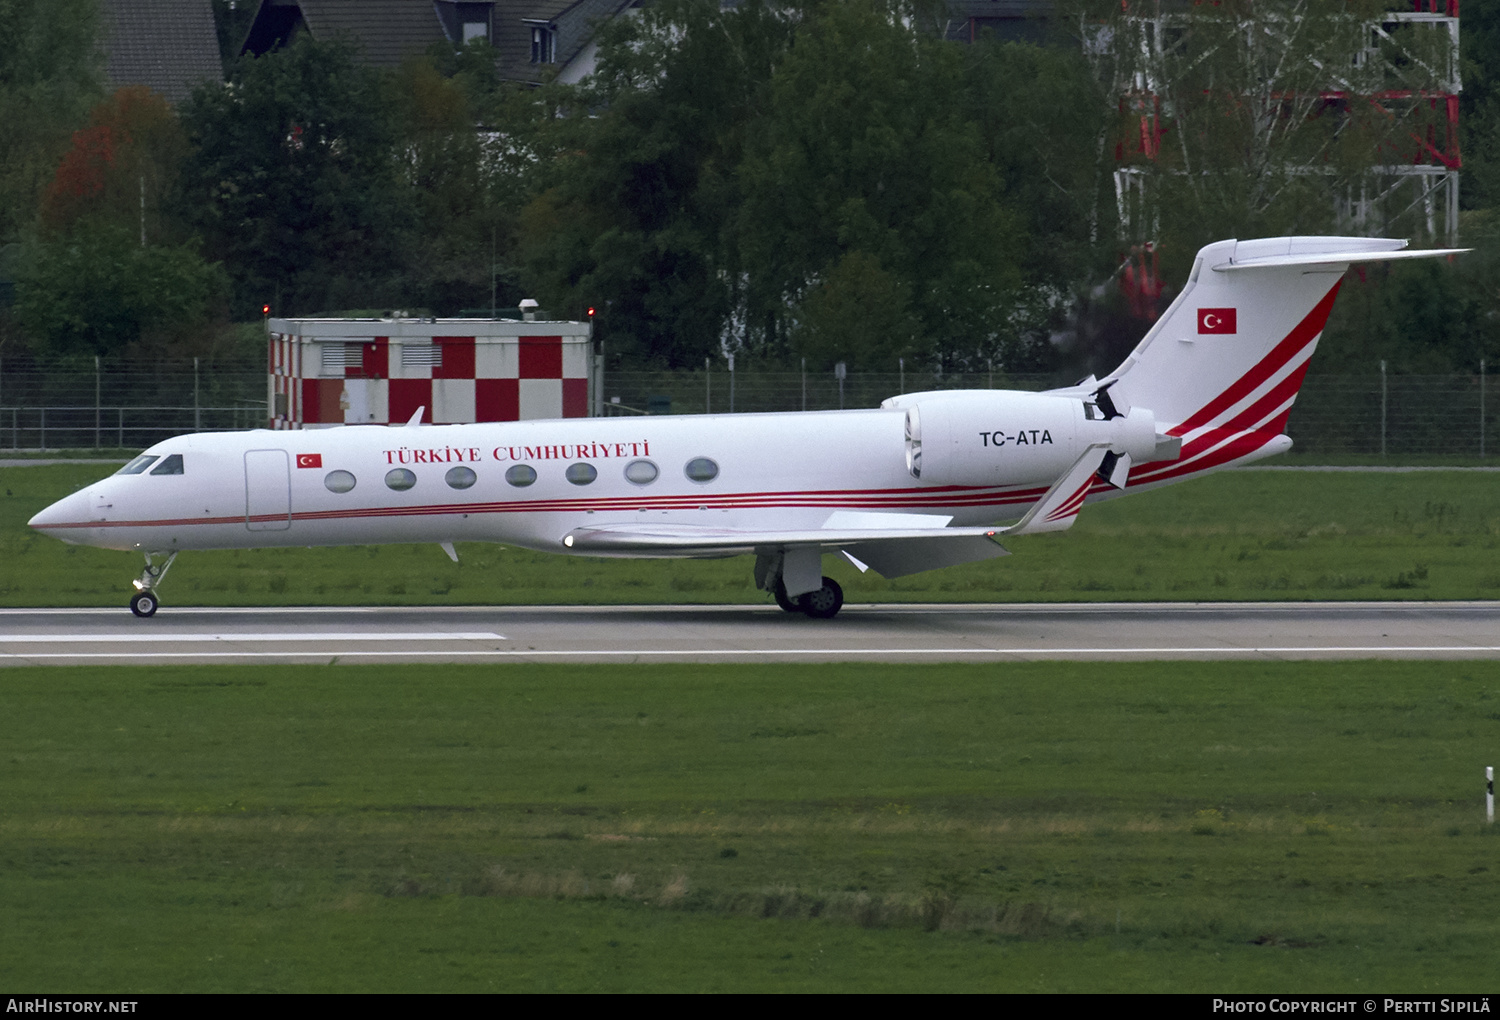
(1359, 416)
(128, 409)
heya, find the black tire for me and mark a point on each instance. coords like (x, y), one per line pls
(790, 603)
(825, 603)
(143, 603)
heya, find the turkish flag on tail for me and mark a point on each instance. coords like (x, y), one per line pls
(1217, 320)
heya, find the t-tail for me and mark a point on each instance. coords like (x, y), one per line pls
(1220, 370)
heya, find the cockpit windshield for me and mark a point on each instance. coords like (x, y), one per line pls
(172, 465)
(138, 465)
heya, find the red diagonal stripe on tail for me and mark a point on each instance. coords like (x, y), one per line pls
(1073, 503)
(1301, 335)
(1251, 416)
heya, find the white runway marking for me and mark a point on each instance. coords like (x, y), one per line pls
(172, 637)
(994, 634)
(857, 654)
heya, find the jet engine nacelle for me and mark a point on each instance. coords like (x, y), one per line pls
(1016, 438)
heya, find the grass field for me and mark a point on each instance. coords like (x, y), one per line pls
(1234, 535)
(1087, 827)
(1025, 827)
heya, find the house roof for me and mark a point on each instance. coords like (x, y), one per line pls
(385, 32)
(573, 23)
(169, 46)
(389, 31)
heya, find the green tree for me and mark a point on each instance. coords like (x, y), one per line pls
(99, 290)
(51, 72)
(865, 148)
(108, 267)
(1480, 106)
(1042, 119)
(445, 169)
(294, 184)
(857, 313)
(1424, 317)
(121, 169)
(638, 188)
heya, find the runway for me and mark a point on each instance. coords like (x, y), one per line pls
(708, 634)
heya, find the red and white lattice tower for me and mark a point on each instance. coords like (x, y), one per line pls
(1280, 67)
(327, 372)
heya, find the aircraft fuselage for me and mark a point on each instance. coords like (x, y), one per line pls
(462, 483)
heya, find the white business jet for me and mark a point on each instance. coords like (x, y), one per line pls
(918, 483)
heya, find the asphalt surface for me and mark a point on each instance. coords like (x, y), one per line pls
(706, 634)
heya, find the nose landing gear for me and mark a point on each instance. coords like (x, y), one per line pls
(144, 602)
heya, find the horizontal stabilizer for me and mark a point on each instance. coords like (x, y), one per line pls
(1283, 252)
(1337, 258)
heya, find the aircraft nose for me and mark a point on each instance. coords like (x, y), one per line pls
(69, 511)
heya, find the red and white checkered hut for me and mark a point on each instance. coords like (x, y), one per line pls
(326, 372)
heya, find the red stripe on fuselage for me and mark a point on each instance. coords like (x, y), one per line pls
(891, 499)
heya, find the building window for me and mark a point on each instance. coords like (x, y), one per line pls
(475, 30)
(543, 42)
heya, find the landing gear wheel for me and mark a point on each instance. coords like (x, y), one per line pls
(824, 603)
(790, 603)
(143, 603)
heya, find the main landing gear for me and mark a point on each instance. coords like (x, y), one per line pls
(144, 602)
(821, 604)
(772, 566)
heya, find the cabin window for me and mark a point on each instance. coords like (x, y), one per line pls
(701, 469)
(138, 465)
(339, 481)
(641, 472)
(460, 477)
(400, 479)
(170, 466)
(581, 473)
(520, 475)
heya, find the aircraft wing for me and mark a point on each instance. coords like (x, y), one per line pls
(893, 544)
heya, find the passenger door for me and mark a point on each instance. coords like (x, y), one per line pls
(268, 490)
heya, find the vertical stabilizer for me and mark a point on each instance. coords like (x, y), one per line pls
(1221, 368)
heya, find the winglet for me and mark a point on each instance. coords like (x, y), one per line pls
(416, 419)
(1057, 510)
